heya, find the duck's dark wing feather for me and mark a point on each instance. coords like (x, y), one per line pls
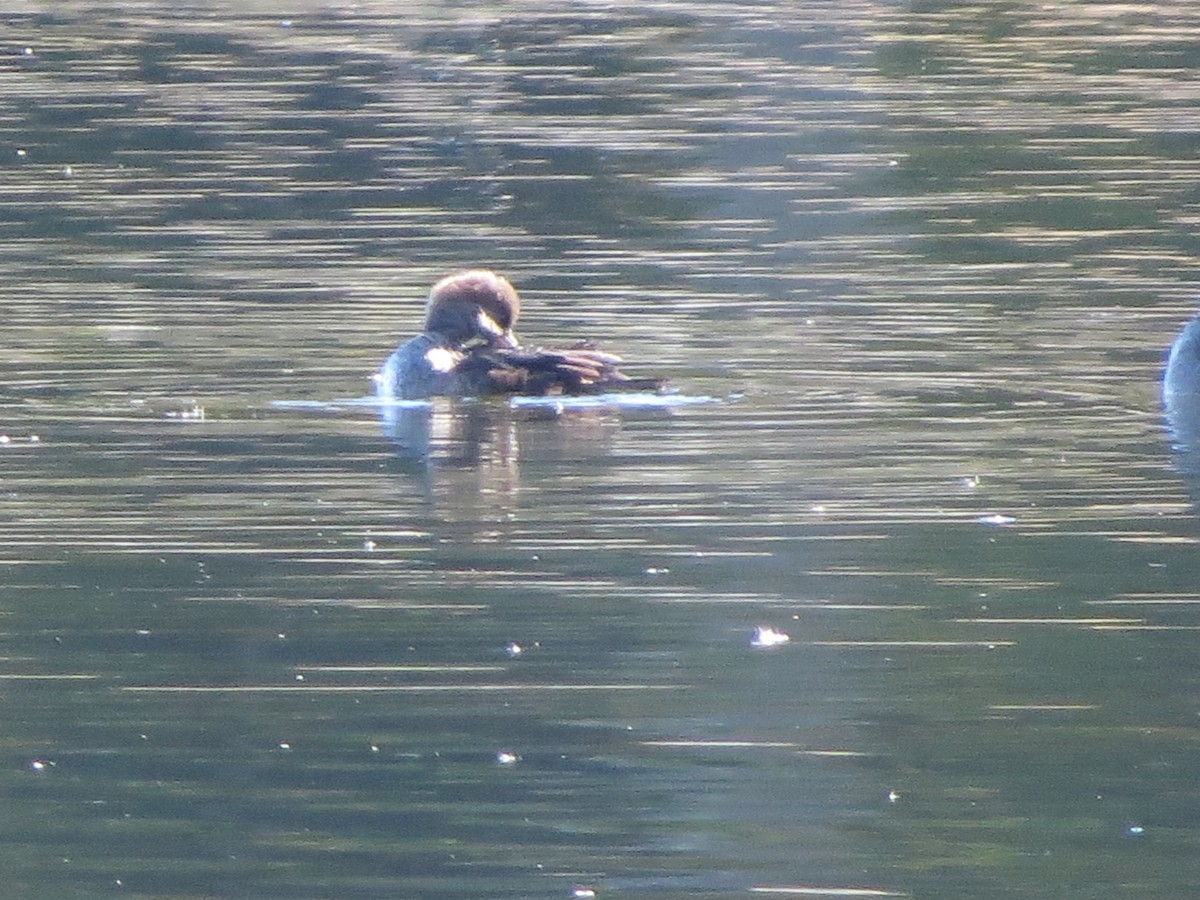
(579, 370)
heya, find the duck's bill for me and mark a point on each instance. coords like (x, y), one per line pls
(505, 340)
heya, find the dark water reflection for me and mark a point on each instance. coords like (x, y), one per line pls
(927, 258)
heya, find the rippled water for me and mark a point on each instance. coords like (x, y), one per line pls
(921, 263)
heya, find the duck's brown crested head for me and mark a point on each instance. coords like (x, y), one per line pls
(476, 305)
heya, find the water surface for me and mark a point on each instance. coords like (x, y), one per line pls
(924, 258)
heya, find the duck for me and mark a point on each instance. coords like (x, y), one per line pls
(467, 348)
(1182, 375)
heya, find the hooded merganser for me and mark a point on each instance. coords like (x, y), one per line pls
(468, 349)
(1182, 375)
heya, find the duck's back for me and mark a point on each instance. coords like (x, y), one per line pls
(418, 369)
(580, 370)
(1183, 364)
(425, 367)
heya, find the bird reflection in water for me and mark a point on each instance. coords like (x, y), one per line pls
(466, 454)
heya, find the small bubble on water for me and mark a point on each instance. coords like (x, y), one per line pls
(513, 649)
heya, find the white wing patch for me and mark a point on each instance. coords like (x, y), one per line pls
(442, 360)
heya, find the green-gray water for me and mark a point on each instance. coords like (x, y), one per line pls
(927, 257)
